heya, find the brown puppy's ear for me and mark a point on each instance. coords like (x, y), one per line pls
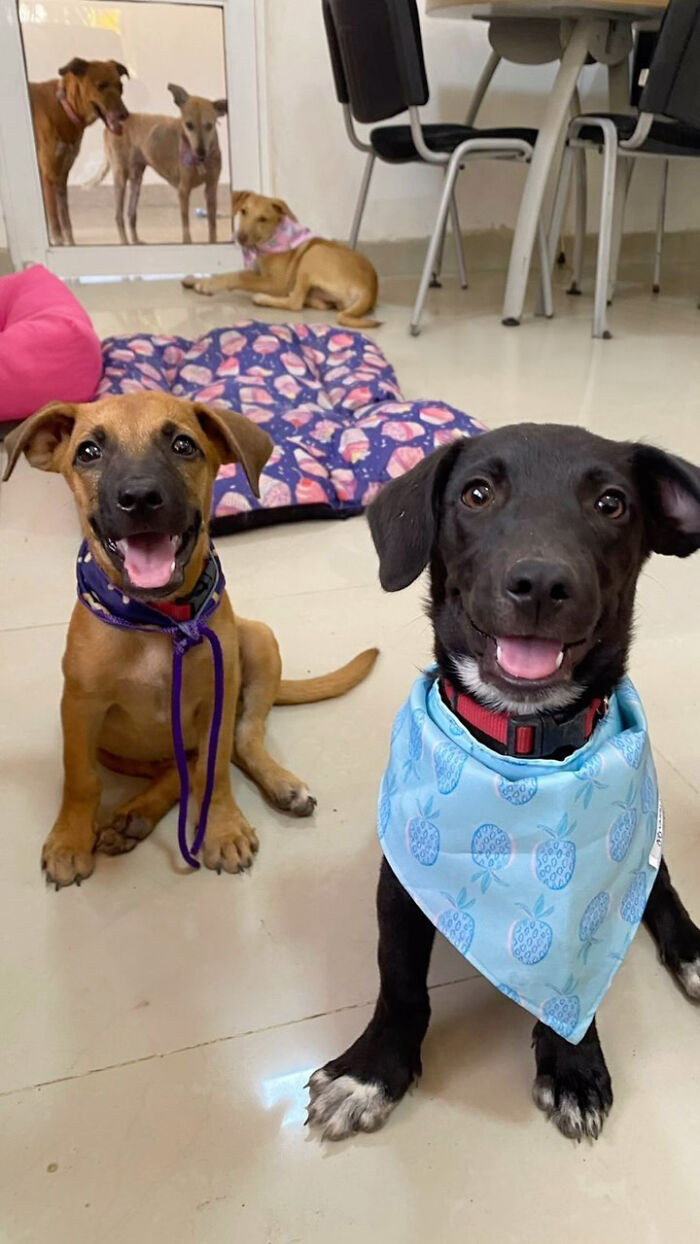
(403, 519)
(283, 208)
(238, 198)
(670, 491)
(77, 65)
(121, 69)
(236, 439)
(179, 94)
(220, 107)
(43, 438)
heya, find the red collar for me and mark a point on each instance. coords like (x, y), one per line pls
(537, 735)
(179, 613)
(70, 112)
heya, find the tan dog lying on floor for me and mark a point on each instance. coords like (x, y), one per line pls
(62, 108)
(288, 268)
(183, 150)
(141, 469)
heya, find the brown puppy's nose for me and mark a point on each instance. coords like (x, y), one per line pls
(533, 582)
(142, 495)
(201, 151)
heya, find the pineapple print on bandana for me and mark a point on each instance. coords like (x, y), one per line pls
(537, 871)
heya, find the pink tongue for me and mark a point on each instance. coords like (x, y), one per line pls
(529, 658)
(148, 559)
(114, 123)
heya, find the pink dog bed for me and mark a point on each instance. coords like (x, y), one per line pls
(49, 350)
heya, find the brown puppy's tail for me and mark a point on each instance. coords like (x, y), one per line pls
(327, 686)
(348, 320)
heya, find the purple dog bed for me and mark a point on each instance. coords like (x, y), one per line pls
(327, 397)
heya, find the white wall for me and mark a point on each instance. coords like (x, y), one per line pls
(159, 43)
(315, 168)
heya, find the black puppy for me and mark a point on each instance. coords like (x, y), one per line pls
(537, 533)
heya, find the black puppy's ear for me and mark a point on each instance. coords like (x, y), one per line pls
(77, 65)
(670, 491)
(403, 518)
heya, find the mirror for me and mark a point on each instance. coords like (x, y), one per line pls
(130, 120)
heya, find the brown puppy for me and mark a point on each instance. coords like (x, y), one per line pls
(141, 469)
(312, 273)
(183, 150)
(62, 108)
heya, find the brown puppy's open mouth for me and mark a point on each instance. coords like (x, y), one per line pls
(152, 561)
(113, 122)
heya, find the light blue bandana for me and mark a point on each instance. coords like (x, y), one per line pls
(537, 871)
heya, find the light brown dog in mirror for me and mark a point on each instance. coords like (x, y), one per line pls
(62, 108)
(141, 469)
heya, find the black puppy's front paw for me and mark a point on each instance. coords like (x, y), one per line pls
(340, 1105)
(682, 957)
(572, 1085)
(358, 1091)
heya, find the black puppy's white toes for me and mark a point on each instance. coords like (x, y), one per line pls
(578, 1115)
(689, 977)
(340, 1107)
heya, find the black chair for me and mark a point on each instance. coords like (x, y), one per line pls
(667, 127)
(379, 72)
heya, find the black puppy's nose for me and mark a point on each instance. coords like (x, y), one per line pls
(538, 582)
(140, 495)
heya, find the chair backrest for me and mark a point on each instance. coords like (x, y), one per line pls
(376, 56)
(672, 87)
(644, 48)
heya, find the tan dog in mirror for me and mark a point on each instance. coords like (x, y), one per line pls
(62, 108)
(141, 468)
(183, 150)
(287, 267)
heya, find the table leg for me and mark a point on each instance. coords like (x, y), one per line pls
(555, 114)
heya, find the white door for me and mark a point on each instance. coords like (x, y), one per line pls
(211, 48)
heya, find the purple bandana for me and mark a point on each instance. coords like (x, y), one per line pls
(185, 623)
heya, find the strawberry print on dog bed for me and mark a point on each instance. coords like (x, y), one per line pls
(327, 396)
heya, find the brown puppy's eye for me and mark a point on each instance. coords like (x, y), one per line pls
(104, 86)
(189, 125)
(184, 446)
(611, 504)
(209, 125)
(478, 494)
(87, 453)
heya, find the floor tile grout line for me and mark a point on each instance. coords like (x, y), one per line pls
(203, 1045)
(678, 772)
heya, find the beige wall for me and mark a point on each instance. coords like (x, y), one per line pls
(159, 43)
(316, 169)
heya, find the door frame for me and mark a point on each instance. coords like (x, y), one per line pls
(20, 185)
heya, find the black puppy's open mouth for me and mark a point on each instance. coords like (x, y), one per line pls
(152, 562)
(529, 658)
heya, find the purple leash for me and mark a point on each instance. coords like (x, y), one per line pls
(111, 605)
(182, 643)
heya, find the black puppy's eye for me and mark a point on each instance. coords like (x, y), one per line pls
(88, 452)
(478, 494)
(184, 446)
(611, 504)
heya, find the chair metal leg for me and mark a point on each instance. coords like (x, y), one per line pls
(580, 229)
(545, 270)
(660, 227)
(364, 191)
(459, 242)
(619, 224)
(605, 230)
(561, 196)
(433, 246)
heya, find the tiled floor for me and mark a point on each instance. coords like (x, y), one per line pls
(158, 1028)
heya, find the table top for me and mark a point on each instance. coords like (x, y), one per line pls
(545, 8)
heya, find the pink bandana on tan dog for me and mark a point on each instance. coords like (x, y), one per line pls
(288, 236)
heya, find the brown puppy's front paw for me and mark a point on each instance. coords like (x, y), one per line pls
(296, 798)
(230, 849)
(199, 285)
(64, 863)
(124, 832)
